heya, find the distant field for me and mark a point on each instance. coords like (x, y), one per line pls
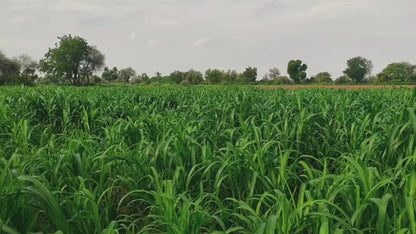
(207, 160)
(348, 87)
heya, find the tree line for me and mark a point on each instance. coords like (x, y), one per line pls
(74, 61)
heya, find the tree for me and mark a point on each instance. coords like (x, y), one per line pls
(27, 64)
(297, 70)
(358, 68)
(274, 77)
(194, 77)
(214, 76)
(93, 62)
(158, 74)
(159, 79)
(343, 80)
(398, 72)
(9, 69)
(250, 75)
(144, 77)
(28, 67)
(72, 59)
(110, 74)
(322, 77)
(282, 80)
(126, 74)
(177, 76)
(231, 76)
(273, 74)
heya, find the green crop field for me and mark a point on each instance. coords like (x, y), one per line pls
(207, 160)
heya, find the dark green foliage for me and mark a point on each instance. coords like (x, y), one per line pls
(194, 77)
(214, 76)
(322, 77)
(178, 76)
(231, 77)
(9, 69)
(358, 68)
(110, 74)
(190, 77)
(398, 72)
(72, 60)
(144, 77)
(297, 70)
(343, 80)
(159, 79)
(20, 70)
(249, 76)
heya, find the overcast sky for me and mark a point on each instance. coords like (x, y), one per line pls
(168, 35)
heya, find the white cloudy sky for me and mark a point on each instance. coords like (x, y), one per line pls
(168, 35)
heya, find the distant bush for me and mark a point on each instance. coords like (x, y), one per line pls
(322, 77)
(282, 80)
(343, 80)
(397, 73)
(18, 80)
(185, 82)
(161, 80)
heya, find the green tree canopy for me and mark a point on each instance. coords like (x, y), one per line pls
(322, 77)
(250, 75)
(343, 80)
(194, 77)
(127, 73)
(297, 70)
(110, 74)
(144, 77)
(72, 59)
(8, 68)
(178, 76)
(231, 76)
(398, 72)
(358, 68)
(214, 76)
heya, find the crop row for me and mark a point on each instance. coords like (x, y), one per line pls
(205, 160)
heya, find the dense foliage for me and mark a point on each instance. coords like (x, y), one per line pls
(8, 68)
(322, 77)
(192, 160)
(72, 60)
(297, 70)
(20, 70)
(358, 68)
(398, 72)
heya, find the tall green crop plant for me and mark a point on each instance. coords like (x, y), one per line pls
(206, 159)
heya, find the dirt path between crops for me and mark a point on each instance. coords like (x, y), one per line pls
(348, 87)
